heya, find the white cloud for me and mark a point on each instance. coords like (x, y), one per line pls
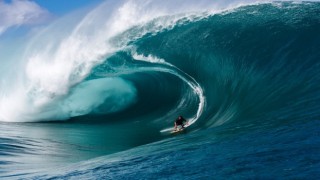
(20, 12)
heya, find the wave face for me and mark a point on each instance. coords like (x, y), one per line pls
(247, 78)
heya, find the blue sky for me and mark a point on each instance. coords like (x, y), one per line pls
(17, 14)
(58, 7)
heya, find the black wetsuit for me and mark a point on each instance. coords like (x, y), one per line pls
(179, 122)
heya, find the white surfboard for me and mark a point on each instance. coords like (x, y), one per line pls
(180, 129)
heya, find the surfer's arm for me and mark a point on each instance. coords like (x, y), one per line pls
(175, 125)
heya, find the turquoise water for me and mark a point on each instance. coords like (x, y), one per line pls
(246, 78)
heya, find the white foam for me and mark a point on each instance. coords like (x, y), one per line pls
(149, 58)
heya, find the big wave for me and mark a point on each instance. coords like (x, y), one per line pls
(236, 59)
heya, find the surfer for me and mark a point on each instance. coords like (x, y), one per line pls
(180, 121)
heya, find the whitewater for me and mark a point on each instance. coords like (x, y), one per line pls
(94, 94)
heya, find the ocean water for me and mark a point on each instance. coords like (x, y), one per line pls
(98, 91)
